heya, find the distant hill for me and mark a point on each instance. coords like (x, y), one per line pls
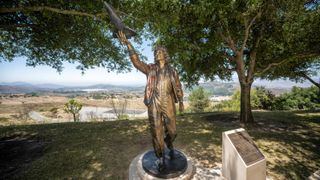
(102, 87)
(228, 88)
(214, 88)
(15, 84)
(50, 86)
(21, 88)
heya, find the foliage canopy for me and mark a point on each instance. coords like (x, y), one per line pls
(49, 32)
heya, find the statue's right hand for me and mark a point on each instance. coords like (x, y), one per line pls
(122, 37)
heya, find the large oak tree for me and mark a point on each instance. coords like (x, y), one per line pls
(248, 37)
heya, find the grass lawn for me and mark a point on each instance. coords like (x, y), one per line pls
(290, 142)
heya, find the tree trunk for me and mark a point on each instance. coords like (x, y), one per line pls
(74, 117)
(245, 105)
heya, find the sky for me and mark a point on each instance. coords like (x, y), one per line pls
(17, 71)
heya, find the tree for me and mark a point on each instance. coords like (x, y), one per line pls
(298, 71)
(199, 100)
(49, 32)
(262, 98)
(119, 108)
(73, 107)
(207, 38)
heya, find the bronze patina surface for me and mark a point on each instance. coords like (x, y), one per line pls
(162, 91)
(117, 22)
(174, 167)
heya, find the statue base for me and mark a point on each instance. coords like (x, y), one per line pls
(145, 167)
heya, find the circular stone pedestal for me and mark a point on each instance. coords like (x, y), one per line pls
(144, 167)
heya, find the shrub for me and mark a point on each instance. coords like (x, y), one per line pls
(199, 100)
(298, 98)
(261, 98)
(73, 107)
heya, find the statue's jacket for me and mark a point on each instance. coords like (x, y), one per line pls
(150, 70)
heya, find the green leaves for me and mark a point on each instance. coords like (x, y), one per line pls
(203, 37)
(73, 107)
(50, 37)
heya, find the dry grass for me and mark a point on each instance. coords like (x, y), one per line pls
(14, 111)
(103, 150)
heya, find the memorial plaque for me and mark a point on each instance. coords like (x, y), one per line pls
(245, 146)
(241, 158)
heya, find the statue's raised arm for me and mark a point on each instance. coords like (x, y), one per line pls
(141, 66)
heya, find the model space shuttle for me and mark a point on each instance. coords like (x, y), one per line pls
(116, 21)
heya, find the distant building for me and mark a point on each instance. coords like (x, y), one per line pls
(220, 98)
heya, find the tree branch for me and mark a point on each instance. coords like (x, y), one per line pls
(238, 59)
(273, 64)
(228, 56)
(253, 58)
(304, 75)
(228, 69)
(60, 11)
(252, 65)
(247, 30)
(228, 39)
(287, 60)
(47, 8)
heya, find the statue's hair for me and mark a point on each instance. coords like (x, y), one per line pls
(165, 52)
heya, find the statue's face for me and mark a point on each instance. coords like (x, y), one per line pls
(160, 56)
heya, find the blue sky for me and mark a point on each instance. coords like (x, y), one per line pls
(17, 71)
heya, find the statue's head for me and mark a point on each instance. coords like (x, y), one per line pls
(161, 53)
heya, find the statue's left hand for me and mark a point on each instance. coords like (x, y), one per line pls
(181, 107)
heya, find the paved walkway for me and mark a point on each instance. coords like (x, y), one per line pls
(207, 173)
(37, 116)
(41, 118)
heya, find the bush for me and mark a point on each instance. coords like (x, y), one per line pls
(261, 98)
(119, 107)
(229, 105)
(73, 107)
(124, 117)
(298, 98)
(199, 100)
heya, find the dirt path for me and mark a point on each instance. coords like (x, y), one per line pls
(37, 116)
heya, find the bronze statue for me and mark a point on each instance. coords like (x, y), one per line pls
(162, 91)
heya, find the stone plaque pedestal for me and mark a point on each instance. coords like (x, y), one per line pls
(138, 167)
(241, 158)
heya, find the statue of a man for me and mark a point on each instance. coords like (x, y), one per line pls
(162, 91)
